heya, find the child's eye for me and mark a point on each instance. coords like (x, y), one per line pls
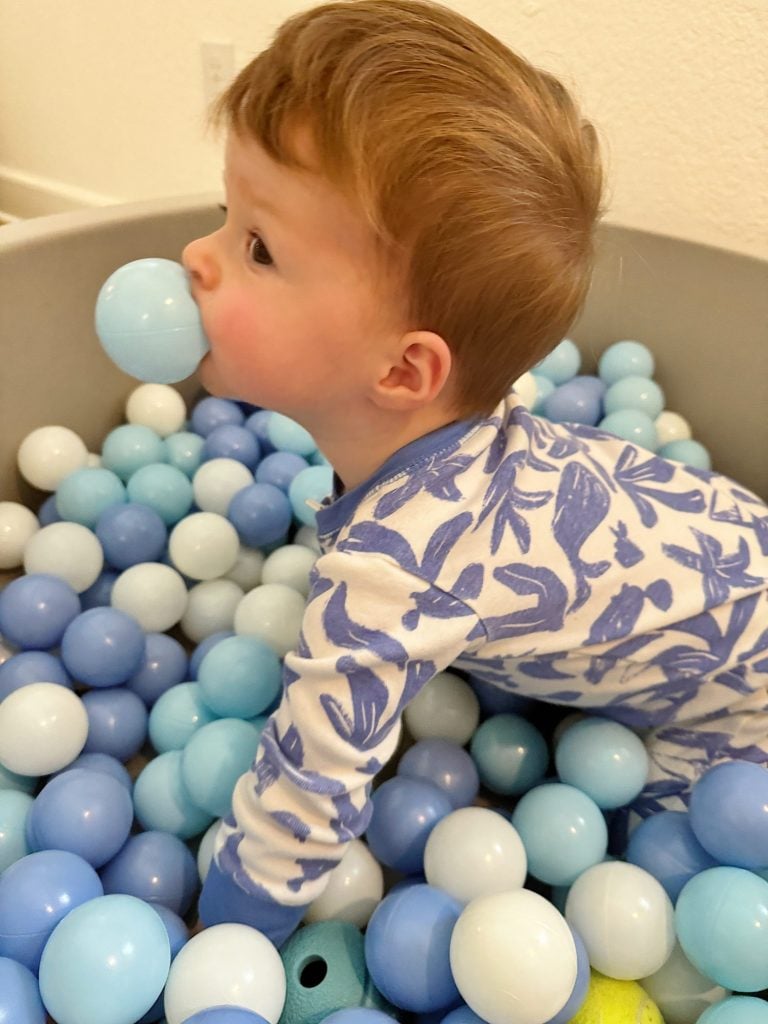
(258, 252)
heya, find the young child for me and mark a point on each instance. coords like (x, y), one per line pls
(411, 211)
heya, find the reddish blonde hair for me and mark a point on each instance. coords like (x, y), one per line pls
(475, 168)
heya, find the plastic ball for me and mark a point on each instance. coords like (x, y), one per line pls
(43, 727)
(36, 609)
(625, 359)
(105, 963)
(561, 363)
(689, 452)
(665, 846)
(418, 922)
(609, 999)
(404, 813)
(309, 487)
(48, 454)
(514, 958)
(634, 393)
(722, 924)
(206, 848)
(544, 388)
(156, 867)
(161, 800)
(290, 565)
(102, 647)
(246, 572)
(164, 488)
(605, 759)
(511, 754)
(446, 765)
(85, 812)
(736, 1010)
(261, 514)
(148, 322)
(117, 722)
(228, 964)
(525, 389)
(103, 763)
(165, 664)
(240, 677)
(577, 401)
(232, 442)
(214, 759)
(274, 613)
(358, 1015)
(210, 413)
(129, 447)
(563, 831)
(203, 546)
(217, 481)
(624, 917)
(184, 451)
(14, 811)
(631, 425)
(130, 534)
(20, 1001)
(17, 525)
(211, 607)
(47, 512)
(286, 435)
(157, 406)
(36, 893)
(580, 987)
(176, 716)
(474, 852)
(155, 595)
(82, 496)
(31, 667)
(99, 594)
(728, 813)
(671, 426)
(67, 550)
(680, 991)
(444, 708)
(16, 783)
(225, 1015)
(354, 889)
(279, 469)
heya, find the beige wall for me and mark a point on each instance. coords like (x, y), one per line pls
(102, 100)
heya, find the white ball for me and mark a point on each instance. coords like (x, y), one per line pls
(210, 609)
(43, 727)
(157, 406)
(67, 550)
(17, 524)
(217, 481)
(671, 426)
(290, 564)
(206, 848)
(475, 852)
(526, 390)
(681, 992)
(246, 572)
(273, 612)
(226, 965)
(154, 594)
(354, 890)
(446, 708)
(49, 454)
(513, 958)
(94, 461)
(203, 545)
(306, 535)
(625, 918)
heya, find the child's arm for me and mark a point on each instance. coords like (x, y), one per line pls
(373, 634)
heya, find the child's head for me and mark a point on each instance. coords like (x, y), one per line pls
(476, 171)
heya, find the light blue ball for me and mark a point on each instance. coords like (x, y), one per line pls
(605, 759)
(105, 963)
(544, 388)
(561, 364)
(131, 446)
(16, 783)
(148, 322)
(736, 1010)
(214, 759)
(162, 802)
(289, 436)
(184, 450)
(689, 452)
(14, 811)
(176, 716)
(625, 359)
(164, 488)
(631, 425)
(20, 1001)
(721, 919)
(728, 813)
(634, 393)
(82, 496)
(311, 484)
(563, 832)
(239, 677)
(511, 754)
(579, 400)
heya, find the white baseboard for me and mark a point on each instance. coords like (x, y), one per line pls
(23, 195)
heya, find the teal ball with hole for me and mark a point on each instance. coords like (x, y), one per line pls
(325, 971)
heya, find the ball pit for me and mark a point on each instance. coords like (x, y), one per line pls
(165, 664)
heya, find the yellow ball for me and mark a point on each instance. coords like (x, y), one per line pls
(616, 1002)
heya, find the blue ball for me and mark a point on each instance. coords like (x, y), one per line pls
(561, 364)
(196, 658)
(106, 962)
(407, 947)
(310, 485)
(99, 594)
(210, 413)
(131, 533)
(721, 918)
(232, 442)
(736, 1010)
(445, 765)
(48, 513)
(31, 667)
(580, 986)
(20, 1001)
(184, 450)
(664, 845)
(148, 323)
(228, 1015)
(635, 393)
(240, 677)
(261, 514)
(279, 469)
(728, 813)
(164, 488)
(689, 452)
(161, 800)
(82, 496)
(289, 436)
(36, 609)
(605, 759)
(176, 716)
(131, 446)
(511, 754)
(117, 722)
(625, 359)
(462, 1015)
(102, 763)
(577, 401)
(258, 423)
(404, 812)
(35, 894)
(85, 812)
(631, 425)
(357, 1015)
(165, 664)
(214, 759)
(102, 647)
(156, 867)
(14, 813)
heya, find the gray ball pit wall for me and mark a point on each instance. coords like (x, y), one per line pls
(703, 311)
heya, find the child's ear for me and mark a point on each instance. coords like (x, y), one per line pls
(417, 374)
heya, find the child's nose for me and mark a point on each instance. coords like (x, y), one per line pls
(199, 261)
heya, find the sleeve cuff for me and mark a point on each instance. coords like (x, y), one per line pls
(223, 901)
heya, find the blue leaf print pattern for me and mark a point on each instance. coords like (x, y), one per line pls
(344, 631)
(312, 868)
(620, 616)
(626, 551)
(582, 504)
(350, 822)
(546, 615)
(437, 477)
(633, 477)
(505, 498)
(719, 572)
(298, 828)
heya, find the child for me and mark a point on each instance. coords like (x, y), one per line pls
(411, 210)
